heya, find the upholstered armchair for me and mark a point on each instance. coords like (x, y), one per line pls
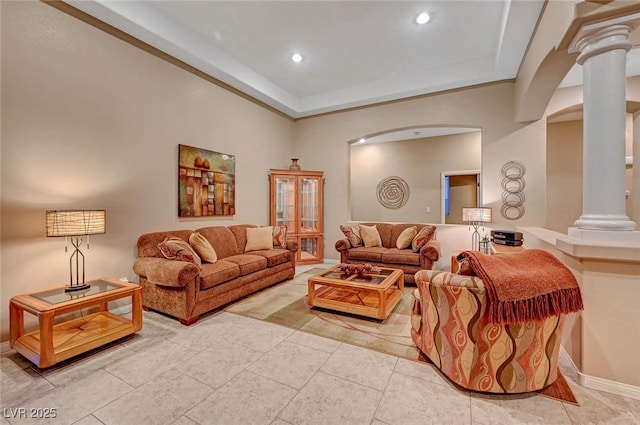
(451, 326)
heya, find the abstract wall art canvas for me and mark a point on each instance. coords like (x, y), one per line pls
(206, 182)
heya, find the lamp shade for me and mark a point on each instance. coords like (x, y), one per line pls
(76, 222)
(477, 214)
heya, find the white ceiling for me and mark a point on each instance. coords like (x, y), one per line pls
(355, 52)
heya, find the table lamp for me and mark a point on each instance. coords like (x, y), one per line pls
(476, 217)
(75, 224)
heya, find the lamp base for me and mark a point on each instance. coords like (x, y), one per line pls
(75, 288)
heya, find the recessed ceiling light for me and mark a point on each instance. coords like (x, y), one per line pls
(296, 57)
(423, 18)
(362, 140)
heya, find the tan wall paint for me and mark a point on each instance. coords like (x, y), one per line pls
(545, 63)
(420, 163)
(323, 143)
(564, 174)
(635, 177)
(564, 161)
(92, 122)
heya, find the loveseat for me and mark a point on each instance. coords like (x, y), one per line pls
(185, 289)
(422, 253)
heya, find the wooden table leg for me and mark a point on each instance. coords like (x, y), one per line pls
(47, 356)
(16, 322)
(136, 309)
(382, 304)
(311, 292)
(104, 306)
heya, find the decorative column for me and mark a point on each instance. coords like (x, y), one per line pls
(603, 50)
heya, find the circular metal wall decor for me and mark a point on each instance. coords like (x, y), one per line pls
(513, 190)
(393, 192)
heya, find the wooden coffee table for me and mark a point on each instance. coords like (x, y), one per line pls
(374, 294)
(51, 343)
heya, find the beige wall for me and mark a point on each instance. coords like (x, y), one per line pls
(323, 143)
(420, 163)
(89, 121)
(564, 174)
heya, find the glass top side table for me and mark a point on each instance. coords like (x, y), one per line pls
(50, 343)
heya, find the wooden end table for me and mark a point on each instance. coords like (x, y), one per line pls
(51, 343)
(374, 294)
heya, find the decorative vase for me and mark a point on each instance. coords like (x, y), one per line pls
(294, 164)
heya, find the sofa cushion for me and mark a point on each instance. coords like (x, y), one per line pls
(259, 238)
(221, 239)
(352, 233)
(370, 236)
(400, 256)
(405, 238)
(213, 274)
(203, 248)
(385, 230)
(366, 254)
(174, 248)
(274, 256)
(424, 235)
(248, 263)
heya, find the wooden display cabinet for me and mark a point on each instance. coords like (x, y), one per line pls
(297, 202)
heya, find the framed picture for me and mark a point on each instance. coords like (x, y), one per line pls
(206, 183)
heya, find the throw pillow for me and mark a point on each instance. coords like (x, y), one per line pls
(405, 238)
(174, 248)
(352, 233)
(203, 247)
(370, 236)
(259, 238)
(280, 236)
(424, 235)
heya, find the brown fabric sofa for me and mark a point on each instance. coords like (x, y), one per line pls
(185, 290)
(388, 255)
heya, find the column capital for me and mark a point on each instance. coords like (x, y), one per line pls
(599, 37)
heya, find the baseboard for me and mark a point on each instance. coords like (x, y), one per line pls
(330, 261)
(600, 384)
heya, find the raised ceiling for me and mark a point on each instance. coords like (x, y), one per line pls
(354, 52)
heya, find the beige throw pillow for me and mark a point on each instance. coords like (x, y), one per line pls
(405, 238)
(259, 238)
(370, 236)
(202, 246)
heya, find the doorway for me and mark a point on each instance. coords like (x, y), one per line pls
(459, 189)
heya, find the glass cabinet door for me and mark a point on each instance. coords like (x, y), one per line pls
(310, 249)
(285, 203)
(310, 204)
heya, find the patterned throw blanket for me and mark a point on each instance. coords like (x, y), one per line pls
(531, 285)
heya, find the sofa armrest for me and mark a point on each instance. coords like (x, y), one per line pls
(343, 245)
(166, 272)
(292, 246)
(431, 250)
(448, 279)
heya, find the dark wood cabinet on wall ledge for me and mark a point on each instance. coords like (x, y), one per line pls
(297, 202)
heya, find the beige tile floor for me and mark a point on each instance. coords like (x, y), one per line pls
(229, 369)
